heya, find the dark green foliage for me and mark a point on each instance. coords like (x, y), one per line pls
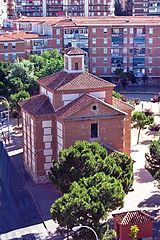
(16, 98)
(141, 121)
(23, 75)
(94, 184)
(117, 95)
(88, 201)
(153, 159)
(84, 159)
(119, 10)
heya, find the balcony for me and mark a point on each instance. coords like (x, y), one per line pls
(139, 41)
(139, 61)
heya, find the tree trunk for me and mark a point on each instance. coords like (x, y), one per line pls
(138, 135)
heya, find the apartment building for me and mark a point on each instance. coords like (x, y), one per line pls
(130, 43)
(146, 8)
(19, 44)
(65, 7)
(72, 99)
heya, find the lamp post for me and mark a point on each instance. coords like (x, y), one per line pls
(1, 97)
(77, 228)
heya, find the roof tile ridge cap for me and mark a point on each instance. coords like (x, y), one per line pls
(45, 99)
(99, 78)
(72, 102)
(79, 98)
(109, 105)
(49, 75)
(119, 100)
(125, 218)
(63, 80)
(145, 213)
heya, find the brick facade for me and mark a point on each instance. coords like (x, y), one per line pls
(72, 106)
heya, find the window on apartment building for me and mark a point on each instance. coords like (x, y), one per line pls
(94, 60)
(149, 60)
(5, 45)
(125, 60)
(139, 31)
(6, 57)
(131, 40)
(58, 31)
(149, 70)
(93, 40)
(76, 66)
(94, 70)
(125, 30)
(150, 40)
(105, 50)
(13, 45)
(93, 30)
(124, 50)
(105, 30)
(98, 14)
(150, 30)
(104, 60)
(13, 56)
(131, 30)
(105, 40)
(93, 50)
(105, 69)
(104, 2)
(94, 130)
(58, 41)
(125, 40)
(131, 60)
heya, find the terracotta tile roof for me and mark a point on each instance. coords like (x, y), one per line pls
(132, 217)
(73, 51)
(92, 21)
(38, 105)
(121, 105)
(81, 102)
(73, 81)
(14, 36)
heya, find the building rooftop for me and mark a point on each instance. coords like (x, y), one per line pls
(38, 105)
(63, 81)
(17, 35)
(73, 51)
(83, 101)
(94, 21)
(132, 217)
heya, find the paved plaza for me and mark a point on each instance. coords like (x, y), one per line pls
(146, 195)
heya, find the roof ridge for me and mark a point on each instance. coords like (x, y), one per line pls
(101, 79)
(46, 98)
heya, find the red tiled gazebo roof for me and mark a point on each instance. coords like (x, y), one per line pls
(132, 217)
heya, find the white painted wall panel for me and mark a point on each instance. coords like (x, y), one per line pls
(47, 145)
(98, 94)
(60, 140)
(48, 159)
(47, 131)
(70, 97)
(48, 152)
(59, 132)
(47, 166)
(47, 138)
(59, 125)
(46, 123)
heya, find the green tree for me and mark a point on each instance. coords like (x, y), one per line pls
(47, 63)
(15, 99)
(117, 95)
(88, 201)
(24, 71)
(84, 159)
(141, 121)
(153, 159)
(134, 231)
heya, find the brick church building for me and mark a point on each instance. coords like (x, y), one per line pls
(72, 105)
